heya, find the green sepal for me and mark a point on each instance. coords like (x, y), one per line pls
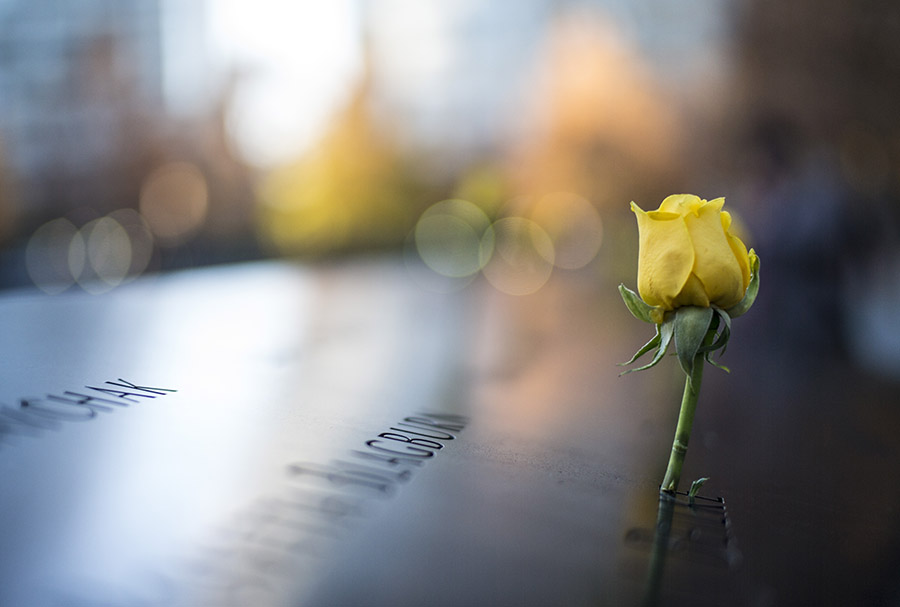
(708, 357)
(752, 289)
(666, 331)
(639, 308)
(725, 335)
(721, 323)
(691, 326)
(695, 486)
(653, 343)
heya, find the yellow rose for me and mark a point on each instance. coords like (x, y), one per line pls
(687, 255)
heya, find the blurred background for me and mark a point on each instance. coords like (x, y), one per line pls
(494, 140)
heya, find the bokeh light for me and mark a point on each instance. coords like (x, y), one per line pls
(523, 256)
(103, 254)
(454, 238)
(76, 256)
(47, 255)
(140, 239)
(106, 256)
(573, 224)
(174, 201)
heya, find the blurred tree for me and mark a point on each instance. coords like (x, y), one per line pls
(604, 129)
(355, 191)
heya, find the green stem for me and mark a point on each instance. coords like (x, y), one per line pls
(683, 429)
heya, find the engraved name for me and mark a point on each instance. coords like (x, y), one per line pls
(34, 415)
(388, 460)
(278, 539)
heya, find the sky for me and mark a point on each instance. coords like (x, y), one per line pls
(296, 62)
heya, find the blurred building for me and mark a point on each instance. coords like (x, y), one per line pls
(96, 98)
(80, 92)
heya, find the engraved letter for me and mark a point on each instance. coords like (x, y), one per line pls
(410, 453)
(449, 426)
(391, 475)
(16, 418)
(338, 478)
(422, 442)
(440, 435)
(128, 384)
(124, 395)
(86, 400)
(66, 411)
(393, 460)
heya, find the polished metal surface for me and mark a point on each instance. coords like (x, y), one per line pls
(278, 434)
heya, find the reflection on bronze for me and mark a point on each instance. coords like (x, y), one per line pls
(693, 530)
(660, 549)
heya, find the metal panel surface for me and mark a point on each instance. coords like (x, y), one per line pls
(279, 434)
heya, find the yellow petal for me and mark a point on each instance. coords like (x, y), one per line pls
(713, 206)
(715, 263)
(681, 204)
(665, 258)
(738, 248)
(693, 293)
